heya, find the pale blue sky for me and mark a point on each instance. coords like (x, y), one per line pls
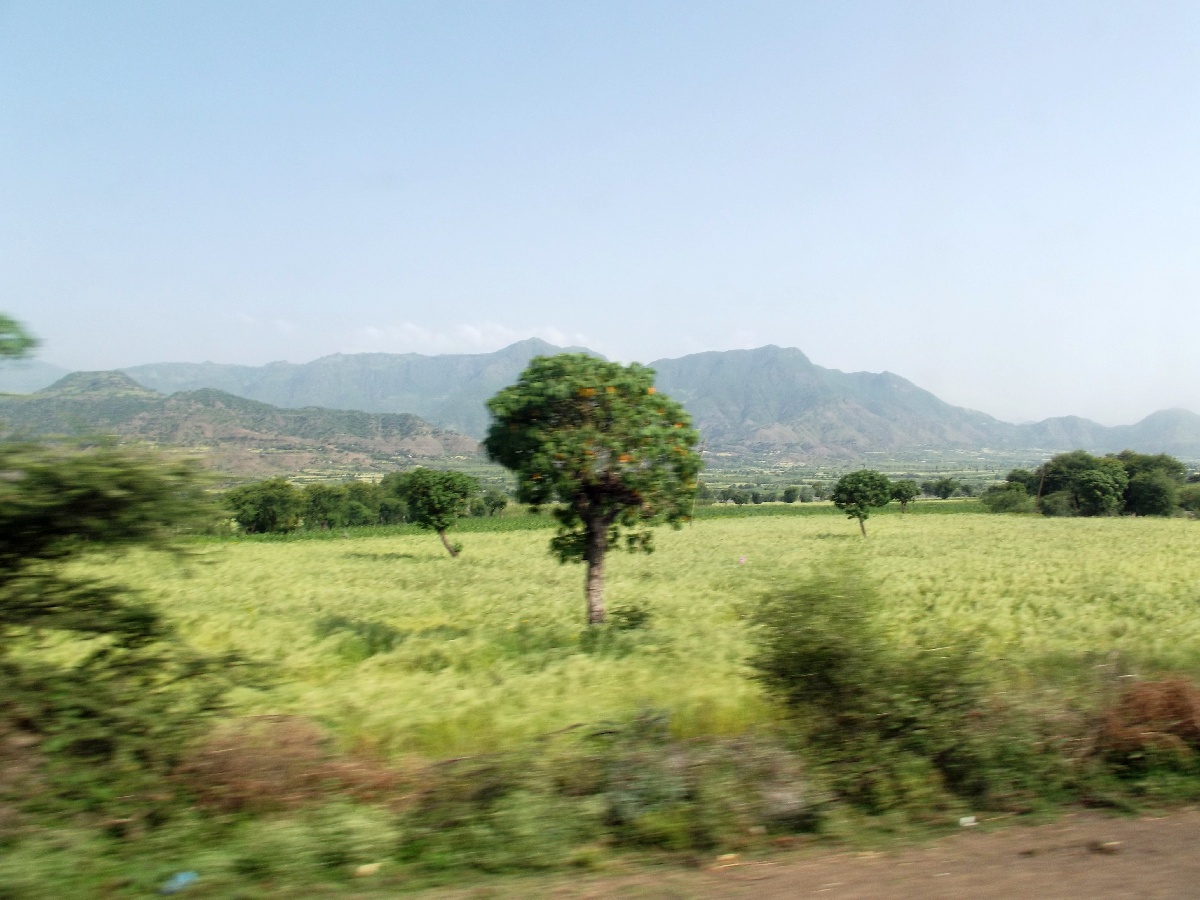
(999, 201)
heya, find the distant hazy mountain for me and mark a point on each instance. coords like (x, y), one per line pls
(238, 435)
(769, 401)
(774, 398)
(27, 375)
(448, 389)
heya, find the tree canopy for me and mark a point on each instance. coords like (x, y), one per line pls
(905, 491)
(857, 493)
(597, 439)
(942, 488)
(265, 506)
(1080, 484)
(436, 499)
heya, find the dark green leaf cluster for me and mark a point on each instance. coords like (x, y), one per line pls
(136, 695)
(596, 438)
(1080, 484)
(55, 498)
(353, 503)
(942, 488)
(58, 502)
(15, 341)
(271, 505)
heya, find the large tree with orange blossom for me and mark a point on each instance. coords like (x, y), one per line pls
(596, 439)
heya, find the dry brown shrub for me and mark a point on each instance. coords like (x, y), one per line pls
(280, 762)
(1153, 716)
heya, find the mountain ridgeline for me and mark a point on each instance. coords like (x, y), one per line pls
(449, 389)
(768, 402)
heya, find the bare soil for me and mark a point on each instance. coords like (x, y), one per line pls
(1083, 855)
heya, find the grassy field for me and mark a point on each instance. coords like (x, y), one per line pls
(398, 648)
(420, 667)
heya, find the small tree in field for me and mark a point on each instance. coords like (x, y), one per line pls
(859, 492)
(597, 438)
(903, 492)
(943, 488)
(436, 499)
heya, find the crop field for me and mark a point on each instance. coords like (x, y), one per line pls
(401, 650)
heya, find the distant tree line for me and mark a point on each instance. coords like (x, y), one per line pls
(1080, 484)
(741, 494)
(942, 488)
(277, 505)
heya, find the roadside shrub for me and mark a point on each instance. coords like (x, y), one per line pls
(625, 784)
(1189, 497)
(894, 727)
(270, 763)
(1153, 723)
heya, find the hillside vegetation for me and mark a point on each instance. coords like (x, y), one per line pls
(235, 434)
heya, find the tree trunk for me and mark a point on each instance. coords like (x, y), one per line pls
(862, 524)
(597, 545)
(449, 547)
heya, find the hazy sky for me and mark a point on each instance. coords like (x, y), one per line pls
(999, 201)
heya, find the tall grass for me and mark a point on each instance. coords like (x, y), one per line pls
(397, 647)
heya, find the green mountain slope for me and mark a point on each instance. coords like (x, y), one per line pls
(237, 434)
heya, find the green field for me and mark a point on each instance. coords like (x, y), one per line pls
(494, 733)
(397, 647)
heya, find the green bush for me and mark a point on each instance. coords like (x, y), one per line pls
(895, 728)
(1152, 494)
(266, 506)
(625, 784)
(1009, 497)
(1059, 504)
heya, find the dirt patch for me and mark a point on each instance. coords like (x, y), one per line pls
(1084, 855)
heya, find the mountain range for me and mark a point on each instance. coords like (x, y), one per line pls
(235, 434)
(768, 402)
